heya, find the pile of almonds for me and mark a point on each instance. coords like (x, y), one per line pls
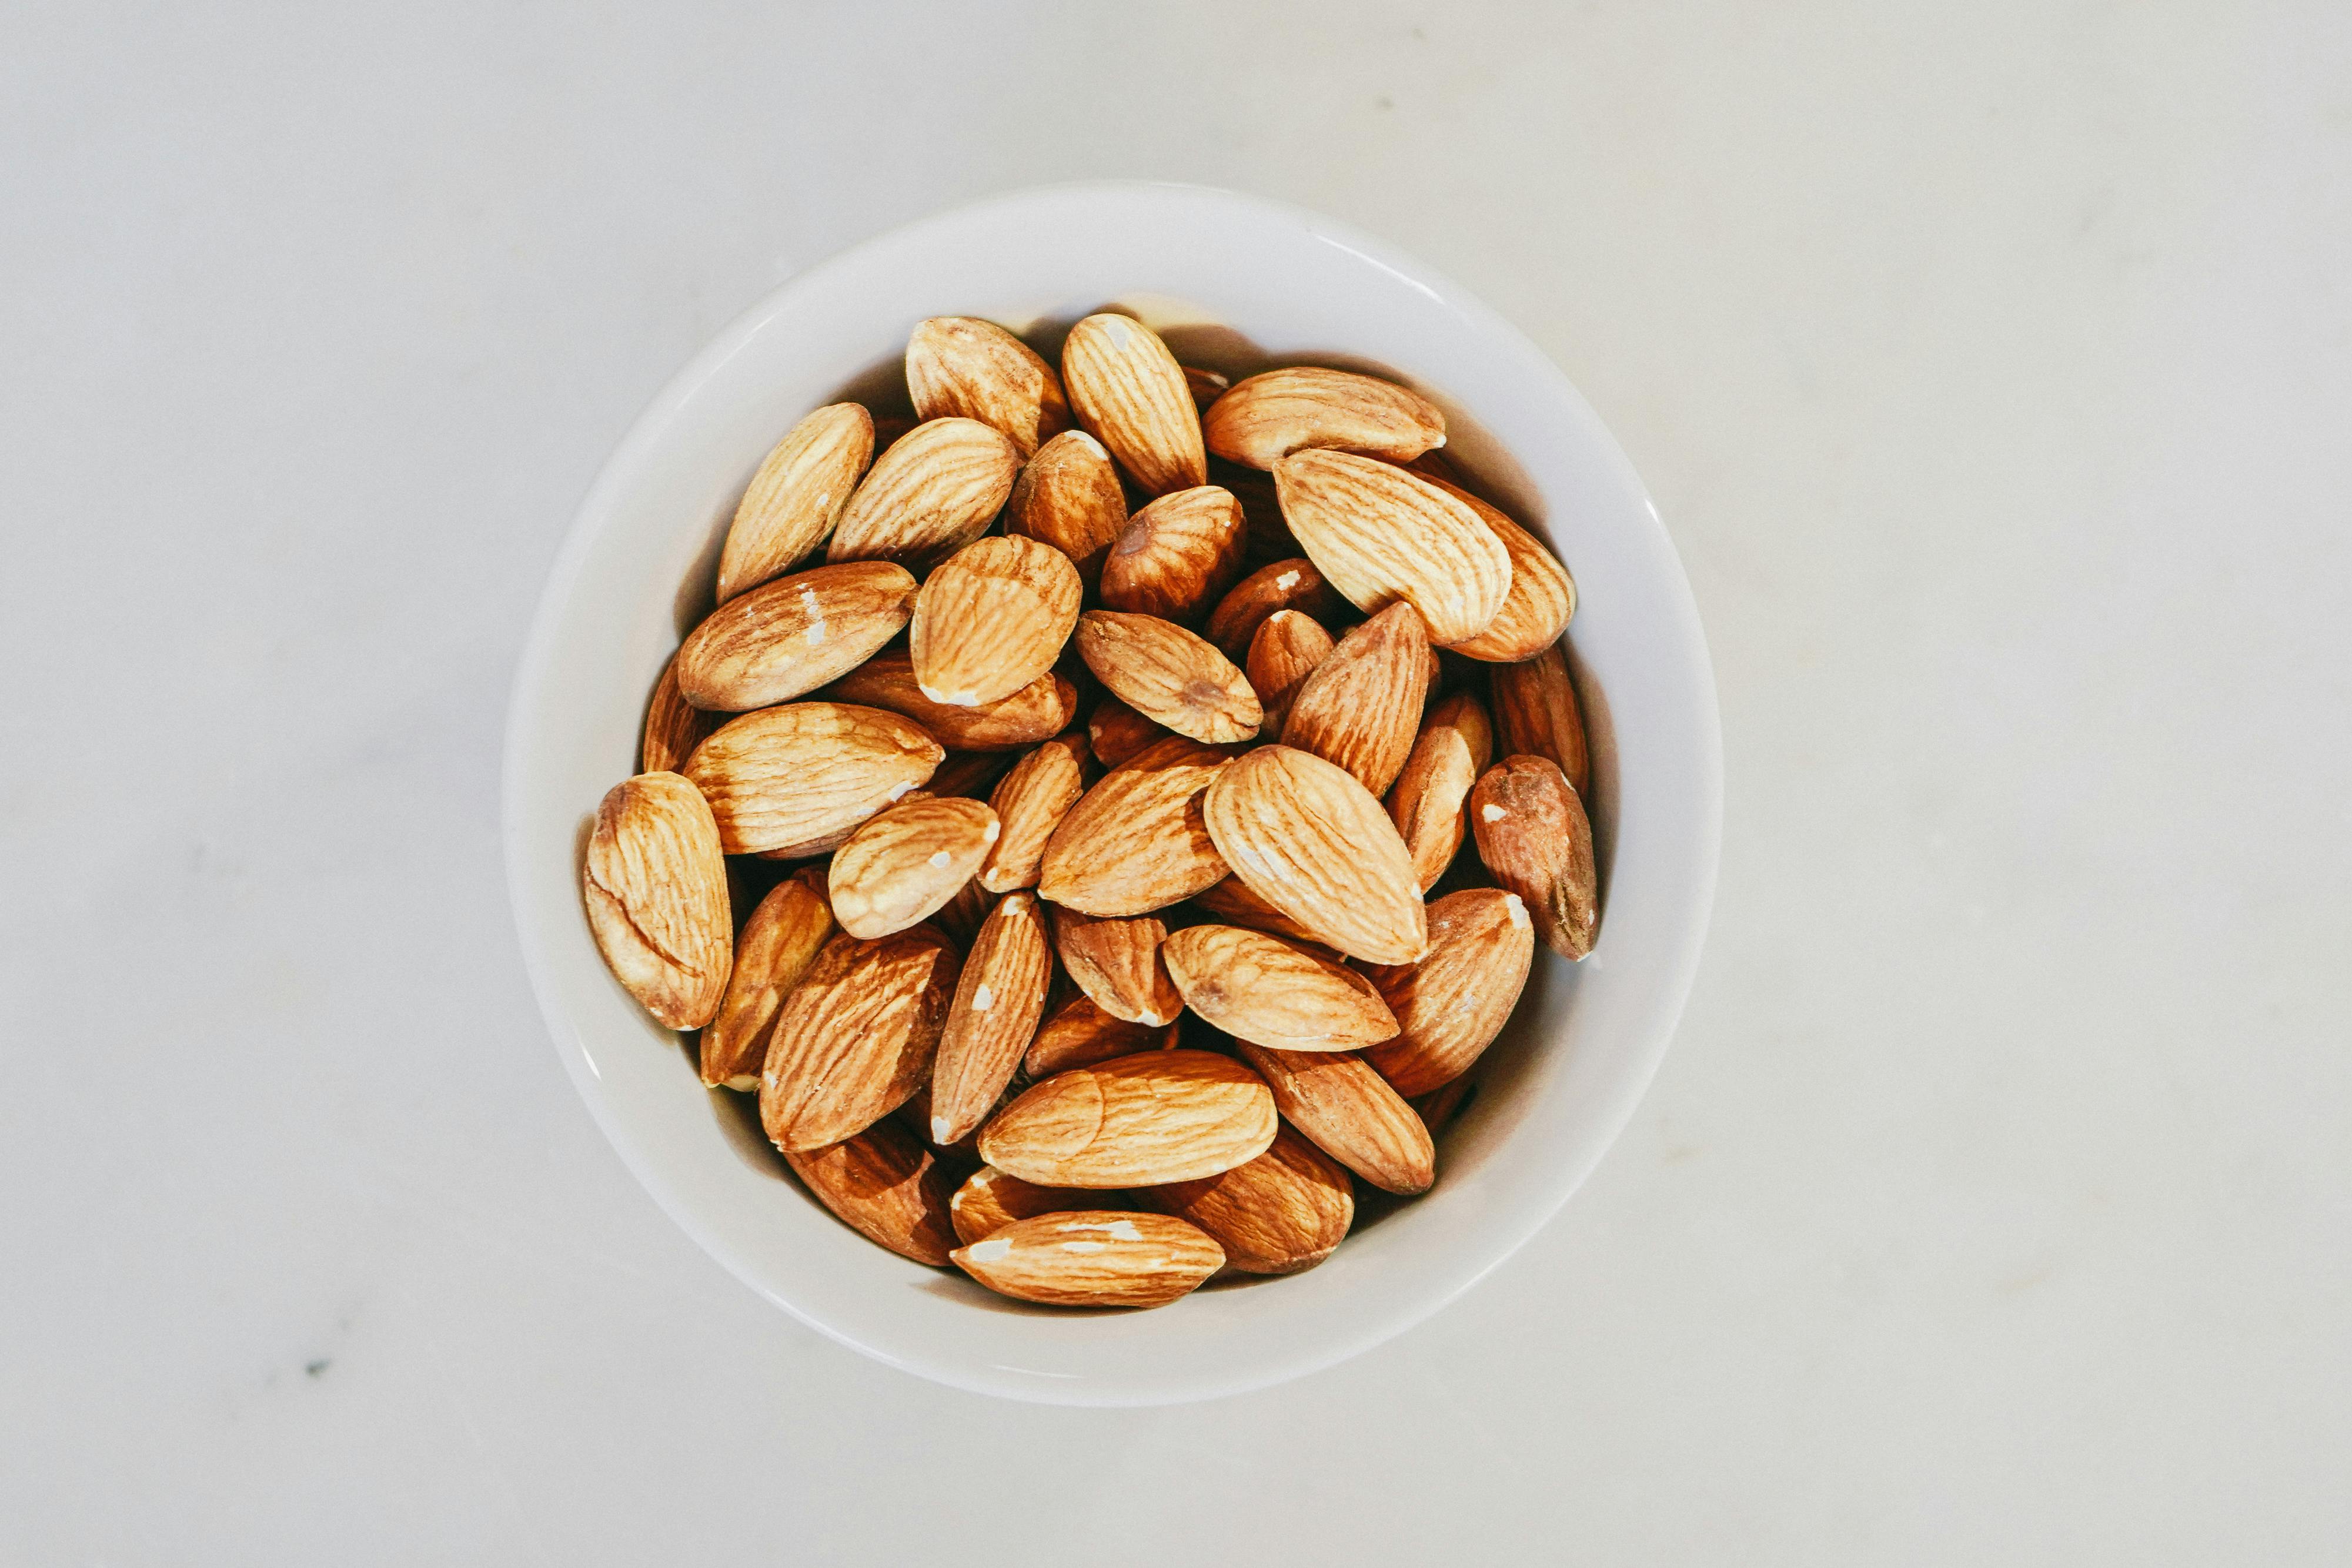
(1109, 953)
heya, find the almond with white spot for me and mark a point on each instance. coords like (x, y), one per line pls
(1361, 703)
(960, 366)
(1381, 533)
(1206, 386)
(786, 638)
(1451, 1005)
(1429, 803)
(989, 1201)
(1130, 393)
(1080, 1034)
(1283, 1211)
(1271, 415)
(1351, 1114)
(792, 775)
(1286, 651)
(1041, 708)
(991, 619)
(1535, 838)
(1314, 843)
(1030, 803)
(1117, 963)
(856, 1037)
(654, 880)
(886, 1186)
(1116, 732)
(1264, 989)
(1542, 598)
(934, 492)
(998, 1000)
(1069, 496)
(1177, 556)
(1138, 841)
(1293, 585)
(1134, 1120)
(899, 868)
(1536, 714)
(1094, 1257)
(1170, 675)
(778, 947)
(797, 498)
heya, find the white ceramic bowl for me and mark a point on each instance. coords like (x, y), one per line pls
(1233, 281)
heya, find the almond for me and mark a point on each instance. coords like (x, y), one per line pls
(930, 495)
(1282, 1212)
(989, 1201)
(1542, 597)
(1269, 416)
(1080, 1034)
(970, 775)
(1041, 708)
(1168, 676)
(1535, 838)
(1286, 651)
(1292, 584)
(1311, 841)
(1361, 704)
(1265, 990)
(888, 1187)
(1233, 903)
(1452, 1004)
(1177, 556)
(908, 862)
(1439, 1107)
(786, 638)
(1270, 538)
(1536, 712)
(998, 999)
(1030, 803)
(1069, 496)
(992, 619)
(1093, 1258)
(1117, 963)
(778, 947)
(915, 1115)
(1430, 798)
(960, 918)
(1117, 732)
(673, 727)
(1381, 533)
(796, 497)
(959, 367)
(1137, 841)
(1129, 391)
(856, 1037)
(1435, 465)
(1135, 1121)
(790, 775)
(1206, 386)
(1351, 1115)
(654, 880)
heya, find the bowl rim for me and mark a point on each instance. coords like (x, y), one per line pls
(647, 429)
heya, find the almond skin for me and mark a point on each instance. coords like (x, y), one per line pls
(673, 727)
(1269, 416)
(1542, 598)
(1041, 709)
(1430, 801)
(1452, 1004)
(1292, 584)
(933, 492)
(992, 619)
(1313, 843)
(1130, 393)
(1093, 1258)
(1536, 712)
(1284, 652)
(989, 1201)
(1535, 838)
(899, 868)
(884, 1185)
(1361, 704)
(1116, 732)
(1030, 803)
(1380, 533)
(1283, 1211)
(962, 367)
(797, 498)
(1351, 1113)
(1265, 990)
(1135, 1120)
(1069, 496)
(655, 881)
(1080, 1034)
(999, 998)
(778, 947)
(1170, 676)
(1177, 556)
(1117, 963)
(784, 638)
(791, 775)
(856, 1037)
(1137, 840)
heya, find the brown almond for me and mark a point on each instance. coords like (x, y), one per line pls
(1270, 538)
(1537, 841)
(1435, 465)
(796, 497)
(1292, 584)
(1313, 842)
(906, 864)
(856, 1037)
(1030, 803)
(962, 367)
(1361, 704)
(1351, 1113)
(1261, 988)
(960, 918)
(1137, 840)
(1168, 676)
(970, 775)
(1177, 556)
(992, 619)
(792, 775)
(1135, 1120)
(1283, 1211)
(1542, 596)
(884, 1185)
(655, 881)
(1451, 1005)
(989, 1201)
(1286, 651)
(1116, 732)
(1041, 709)
(1206, 386)
(1381, 533)
(1093, 1258)
(1231, 903)
(1536, 712)
(1271, 415)
(1069, 496)
(778, 947)
(1117, 963)
(673, 727)
(784, 638)
(1439, 1107)
(930, 495)
(1080, 1034)
(1129, 391)
(1430, 799)
(998, 1000)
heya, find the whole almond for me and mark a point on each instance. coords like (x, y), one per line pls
(1452, 1004)
(915, 1115)
(884, 1185)
(1116, 732)
(1313, 842)
(930, 495)
(784, 638)
(1283, 1211)
(796, 497)
(1292, 584)
(1069, 496)
(655, 881)
(790, 775)
(1135, 1120)
(1430, 799)
(1129, 391)
(1041, 708)
(1177, 556)
(778, 947)
(1351, 1113)
(1286, 651)
(998, 1000)
(1137, 840)
(1381, 533)
(1269, 416)
(970, 775)
(1265, 990)
(1542, 597)
(1117, 963)
(1361, 704)
(992, 619)
(908, 862)
(1535, 838)
(1231, 903)
(1080, 1034)
(1030, 803)
(1536, 712)
(856, 1037)
(1206, 386)
(673, 727)
(989, 1201)
(960, 366)
(1168, 676)
(1093, 1258)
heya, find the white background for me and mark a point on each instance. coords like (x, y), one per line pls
(1992, 367)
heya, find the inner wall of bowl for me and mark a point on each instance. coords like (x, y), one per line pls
(1234, 286)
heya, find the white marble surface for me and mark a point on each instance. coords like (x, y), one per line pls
(1992, 366)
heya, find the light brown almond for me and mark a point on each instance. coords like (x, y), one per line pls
(1069, 496)
(1283, 1211)
(856, 1037)
(1381, 533)
(1206, 386)
(1363, 703)
(960, 366)
(1292, 584)
(1094, 1257)
(1080, 1034)
(1286, 651)
(1263, 989)
(1351, 1113)
(784, 638)
(1451, 1005)
(1542, 597)
(906, 862)
(1170, 675)
(792, 775)
(1041, 708)
(934, 492)
(1177, 556)
(1137, 841)
(1116, 732)
(673, 727)
(1129, 391)
(998, 1000)
(796, 497)
(884, 1185)
(1313, 842)
(1117, 963)
(1135, 1120)
(989, 1201)
(1536, 712)
(992, 619)
(1030, 803)
(655, 881)
(778, 947)
(1271, 415)
(1430, 799)
(1537, 841)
